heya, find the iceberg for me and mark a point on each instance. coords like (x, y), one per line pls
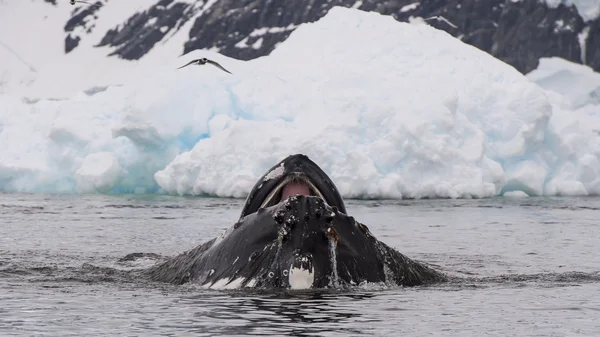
(578, 83)
(387, 109)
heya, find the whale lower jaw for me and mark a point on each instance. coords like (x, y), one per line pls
(300, 243)
(299, 278)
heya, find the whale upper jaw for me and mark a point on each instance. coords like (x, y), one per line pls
(297, 182)
(296, 174)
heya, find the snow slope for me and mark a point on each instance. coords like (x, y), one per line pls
(387, 109)
(34, 63)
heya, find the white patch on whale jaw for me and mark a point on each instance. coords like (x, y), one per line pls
(300, 278)
(275, 173)
(251, 283)
(225, 283)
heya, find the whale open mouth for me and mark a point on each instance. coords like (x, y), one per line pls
(294, 175)
(294, 184)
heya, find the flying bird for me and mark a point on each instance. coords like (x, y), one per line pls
(85, 2)
(204, 61)
(442, 19)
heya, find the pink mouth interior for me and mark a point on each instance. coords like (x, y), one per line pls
(294, 188)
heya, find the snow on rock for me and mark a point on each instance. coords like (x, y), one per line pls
(34, 63)
(387, 109)
(588, 9)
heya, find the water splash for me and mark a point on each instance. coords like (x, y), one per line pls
(334, 281)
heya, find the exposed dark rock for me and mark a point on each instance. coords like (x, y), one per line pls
(519, 33)
(71, 42)
(235, 26)
(476, 21)
(79, 19)
(527, 31)
(143, 30)
(592, 50)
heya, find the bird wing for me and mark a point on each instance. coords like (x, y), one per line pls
(442, 19)
(185, 65)
(218, 65)
(85, 2)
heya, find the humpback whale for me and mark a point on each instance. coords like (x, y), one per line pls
(294, 233)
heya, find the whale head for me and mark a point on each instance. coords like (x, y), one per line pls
(294, 175)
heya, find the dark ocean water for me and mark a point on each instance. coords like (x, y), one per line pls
(524, 267)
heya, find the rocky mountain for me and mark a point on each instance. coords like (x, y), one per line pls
(518, 32)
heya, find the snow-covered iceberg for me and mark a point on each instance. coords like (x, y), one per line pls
(578, 83)
(388, 109)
